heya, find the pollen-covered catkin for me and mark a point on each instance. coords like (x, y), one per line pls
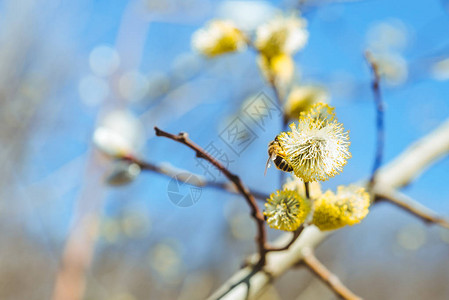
(286, 210)
(281, 35)
(217, 38)
(347, 207)
(318, 147)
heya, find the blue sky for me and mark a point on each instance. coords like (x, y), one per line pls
(333, 57)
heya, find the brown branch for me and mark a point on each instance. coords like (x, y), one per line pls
(277, 94)
(379, 105)
(307, 189)
(255, 212)
(331, 280)
(271, 81)
(284, 121)
(295, 236)
(411, 206)
(171, 172)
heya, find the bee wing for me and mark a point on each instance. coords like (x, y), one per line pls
(267, 165)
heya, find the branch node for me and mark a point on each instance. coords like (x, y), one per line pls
(183, 135)
(157, 130)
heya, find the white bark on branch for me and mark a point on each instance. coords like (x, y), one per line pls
(248, 283)
(416, 158)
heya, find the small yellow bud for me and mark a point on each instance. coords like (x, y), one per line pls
(217, 38)
(278, 68)
(301, 98)
(281, 35)
(286, 210)
(348, 207)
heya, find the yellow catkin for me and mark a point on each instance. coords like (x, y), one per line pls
(286, 210)
(281, 35)
(348, 207)
(218, 37)
(317, 147)
(279, 68)
(302, 98)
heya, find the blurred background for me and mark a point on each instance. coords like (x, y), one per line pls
(71, 70)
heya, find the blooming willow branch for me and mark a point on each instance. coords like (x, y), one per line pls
(379, 104)
(255, 212)
(398, 173)
(346, 207)
(320, 270)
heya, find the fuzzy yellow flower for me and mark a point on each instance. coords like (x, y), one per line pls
(218, 37)
(279, 68)
(348, 207)
(286, 210)
(281, 35)
(301, 98)
(318, 147)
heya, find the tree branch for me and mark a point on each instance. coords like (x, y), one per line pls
(284, 121)
(416, 158)
(379, 105)
(408, 204)
(295, 236)
(326, 276)
(255, 212)
(171, 172)
(249, 283)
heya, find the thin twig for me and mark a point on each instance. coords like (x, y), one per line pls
(272, 82)
(415, 208)
(171, 172)
(307, 189)
(295, 236)
(255, 212)
(326, 276)
(379, 105)
(284, 120)
(277, 93)
(416, 158)
(279, 99)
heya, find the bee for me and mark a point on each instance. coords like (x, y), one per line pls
(277, 154)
